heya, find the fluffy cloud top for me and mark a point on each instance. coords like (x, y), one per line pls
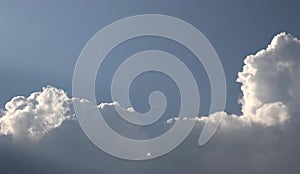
(270, 80)
(41, 112)
(35, 115)
(270, 85)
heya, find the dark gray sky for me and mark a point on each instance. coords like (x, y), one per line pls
(40, 42)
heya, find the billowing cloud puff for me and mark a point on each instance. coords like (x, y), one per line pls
(270, 85)
(41, 112)
(35, 115)
(270, 80)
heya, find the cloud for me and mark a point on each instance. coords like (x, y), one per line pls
(270, 86)
(264, 139)
(270, 81)
(263, 136)
(35, 115)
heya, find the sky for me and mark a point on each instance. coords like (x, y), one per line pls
(40, 42)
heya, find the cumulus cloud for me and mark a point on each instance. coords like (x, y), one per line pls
(264, 136)
(36, 115)
(270, 86)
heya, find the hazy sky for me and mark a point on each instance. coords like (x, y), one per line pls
(40, 42)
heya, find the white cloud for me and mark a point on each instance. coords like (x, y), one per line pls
(130, 109)
(270, 79)
(270, 85)
(108, 105)
(35, 115)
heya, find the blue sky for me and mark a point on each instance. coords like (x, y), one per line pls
(40, 42)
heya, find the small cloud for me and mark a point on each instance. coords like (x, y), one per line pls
(148, 154)
(130, 109)
(108, 105)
